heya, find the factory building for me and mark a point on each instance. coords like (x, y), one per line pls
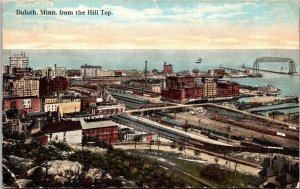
(90, 71)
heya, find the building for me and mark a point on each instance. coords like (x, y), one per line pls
(227, 88)
(104, 129)
(119, 73)
(155, 87)
(64, 131)
(107, 73)
(62, 106)
(90, 71)
(26, 104)
(267, 89)
(25, 86)
(176, 82)
(104, 108)
(209, 88)
(55, 72)
(168, 68)
(18, 61)
(219, 72)
(51, 85)
(182, 88)
(85, 103)
(73, 73)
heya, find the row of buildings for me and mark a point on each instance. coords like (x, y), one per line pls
(62, 105)
(33, 86)
(184, 88)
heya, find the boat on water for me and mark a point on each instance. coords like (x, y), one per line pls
(237, 76)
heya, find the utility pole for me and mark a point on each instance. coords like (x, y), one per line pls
(234, 174)
(158, 143)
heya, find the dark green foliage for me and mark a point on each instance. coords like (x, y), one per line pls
(213, 172)
(61, 146)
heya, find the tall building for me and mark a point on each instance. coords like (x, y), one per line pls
(24, 87)
(168, 68)
(90, 71)
(55, 72)
(209, 88)
(18, 61)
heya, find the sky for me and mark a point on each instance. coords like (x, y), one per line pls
(165, 24)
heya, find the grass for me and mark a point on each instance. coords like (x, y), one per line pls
(193, 168)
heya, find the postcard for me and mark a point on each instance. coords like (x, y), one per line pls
(150, 94)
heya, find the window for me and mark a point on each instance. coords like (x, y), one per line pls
(27, 103)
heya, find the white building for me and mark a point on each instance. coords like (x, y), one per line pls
(267, 89)
(70, 137)
(18, 61)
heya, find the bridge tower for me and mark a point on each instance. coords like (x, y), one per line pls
(292, 66)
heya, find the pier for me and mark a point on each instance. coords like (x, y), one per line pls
(270, 109)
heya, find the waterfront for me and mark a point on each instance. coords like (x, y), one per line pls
(180, 59)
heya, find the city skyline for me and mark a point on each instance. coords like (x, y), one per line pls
(153, 25)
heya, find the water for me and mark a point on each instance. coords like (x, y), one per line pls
(181, 60)
(289, 110)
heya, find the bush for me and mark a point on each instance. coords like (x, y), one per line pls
(61, 146)
(213, 172)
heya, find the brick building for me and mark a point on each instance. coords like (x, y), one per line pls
(227, 89)
(57, 84)
(168, 68)
(27, 104)
(104, 129)
(175, 82)
(85, 103)
(181, 88)
(219, 71)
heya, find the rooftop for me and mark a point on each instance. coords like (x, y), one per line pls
(62, 126)
(97, 124)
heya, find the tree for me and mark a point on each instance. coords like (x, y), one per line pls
(216, 160)
(136, 139)
(197, 152)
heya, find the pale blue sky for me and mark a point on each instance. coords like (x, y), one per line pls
(154, 24)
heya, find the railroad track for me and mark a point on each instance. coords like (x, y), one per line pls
(197, 141)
